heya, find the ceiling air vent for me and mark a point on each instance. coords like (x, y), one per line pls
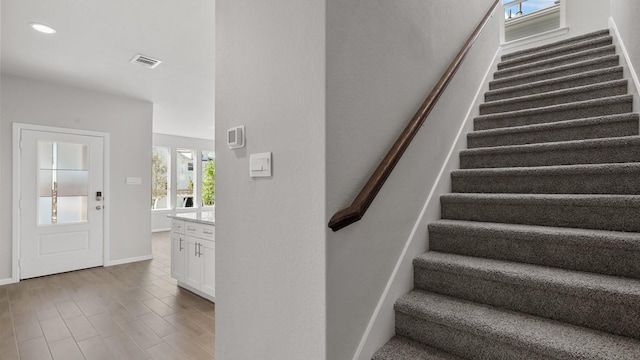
(145, 61)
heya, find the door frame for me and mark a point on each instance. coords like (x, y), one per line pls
(17, 129)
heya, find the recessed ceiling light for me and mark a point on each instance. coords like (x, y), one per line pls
(43, 28)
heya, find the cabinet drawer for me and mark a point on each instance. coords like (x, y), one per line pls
(208, 232)
(177, 226)
(201, 231)
(192, 229)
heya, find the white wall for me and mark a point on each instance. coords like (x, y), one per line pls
(382, 60)
(5, 270)
(270, 232)
(587, 16)
(127, 121)
(159, 220)
(625, 15)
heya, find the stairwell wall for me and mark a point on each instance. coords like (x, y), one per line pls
(624, 17)
(587, 16)
(382, 60)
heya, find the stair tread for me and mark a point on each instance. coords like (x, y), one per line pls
(562, 79)
(582, 284)
(401, 348)
(571, 236)
(548, 199)
(608, 39)
(550, 146)
(539, 335)
(581, 169)
(559, 107)
(584, 37)
(555, 93)
(554, 125)
(544, 62)
(538, 73)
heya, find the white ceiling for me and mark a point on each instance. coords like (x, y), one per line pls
(96, 39)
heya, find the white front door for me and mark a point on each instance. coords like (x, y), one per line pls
(61, 216)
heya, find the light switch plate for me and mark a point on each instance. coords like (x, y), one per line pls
(133, 180)
(260, 165)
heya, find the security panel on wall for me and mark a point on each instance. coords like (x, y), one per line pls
(235, 137)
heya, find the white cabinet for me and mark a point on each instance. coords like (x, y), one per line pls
(208, 252)
(178, 256)
(193, 257)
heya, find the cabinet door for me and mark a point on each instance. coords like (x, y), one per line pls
(208, 267)
(193, 272)
(178, 256)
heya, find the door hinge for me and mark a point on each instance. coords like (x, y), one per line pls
(20, 204)
(19, 263)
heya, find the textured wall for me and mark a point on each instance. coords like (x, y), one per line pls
(625, 14)
(270, 237)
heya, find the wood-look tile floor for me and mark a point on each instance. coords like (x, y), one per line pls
(132, 311)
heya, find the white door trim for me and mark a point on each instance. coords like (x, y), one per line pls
(17, 128)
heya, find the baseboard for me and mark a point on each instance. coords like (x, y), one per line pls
(161, 230)
(626, 58)
(7, 281)
(129, 260)
(197, 292)
(396, 285)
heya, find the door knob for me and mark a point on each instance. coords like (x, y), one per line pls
(98, 207)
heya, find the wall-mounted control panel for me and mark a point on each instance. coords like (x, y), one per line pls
(235, 137)
(260, 165)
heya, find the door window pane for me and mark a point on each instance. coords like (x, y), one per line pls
(73, 156)
(160, 178)
(72, 209)
(184, 178)
(63, 182)
(208, 167)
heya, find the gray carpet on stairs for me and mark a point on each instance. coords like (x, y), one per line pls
(537, 255)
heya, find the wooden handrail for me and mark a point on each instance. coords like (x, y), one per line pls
(361, 203)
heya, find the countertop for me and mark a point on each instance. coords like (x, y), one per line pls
(205, 217)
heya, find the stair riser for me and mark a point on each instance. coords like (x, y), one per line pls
(463, 343)
(591, 131)
(550, 157)
(596, 65)
(513, 105)
(578, 39)
(535, 299)
(552, 53)
(586, 111)
(554, 253)
(570, 83)
(612, 183)
(560, 213)
(553, 63)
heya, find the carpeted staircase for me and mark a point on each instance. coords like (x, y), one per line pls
(537, 255)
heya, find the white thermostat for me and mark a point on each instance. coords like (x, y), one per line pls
(235, 137)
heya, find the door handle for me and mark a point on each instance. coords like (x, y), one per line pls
(195, 248)
(199, 247)
(181, 244)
